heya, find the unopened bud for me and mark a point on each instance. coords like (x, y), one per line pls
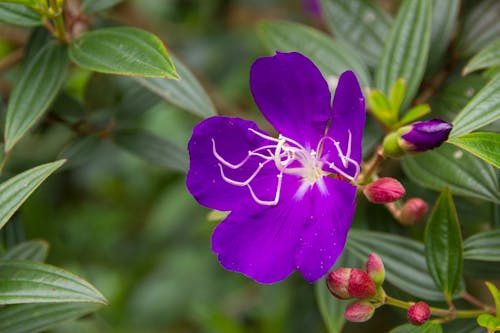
(384, 190)
(359, 311)
(375, 269)
(424, 135)
(412, 211)
(345, 283)
(419, 313)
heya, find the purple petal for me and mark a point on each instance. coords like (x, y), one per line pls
(293, 96)
(425, 135)
(313, 7)
(325, 233)
(233, 141)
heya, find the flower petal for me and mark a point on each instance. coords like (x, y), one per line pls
(233, 140)
(293, 96)
(325, 233)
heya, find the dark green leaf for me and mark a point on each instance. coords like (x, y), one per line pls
(17, 189)
(407, 48)
(80, 151)
(488, 57)
(443, 245)
(11, 13)
(94, 6)
(484, 246)
(36, 89)
(359, 23)
(485, 145)
(482, 269)
(32, 282)
(153, 148)
(122, 50)
(136, 98)
(330, 56)
(35, 250)
(428, 327)
(186, 93)
(483, 109)
(451, 167)
(32, 318)
(403, 259)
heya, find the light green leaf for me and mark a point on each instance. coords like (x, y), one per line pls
(35, 250)
(483, 246)
(403, 259)
(495, 293)
(23, 2)
(451, 167)
(331, 57)
(32, 318)
(428, 327)
(488, 57)
(407, 48)
(488, 321)
(17, 189)
(32, 282)
(94, 6)
(16, 14)
(186, 93)
(443, 245)
(483, 109)
(381, 107)
(485, 145)
(36, 89)
(360, 24)
(122, 50)
(415, 113)
(153, 148)
(397, 94)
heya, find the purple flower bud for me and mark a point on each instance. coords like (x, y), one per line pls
(359, 311)
(424, 135)
(384, 190)
(345, 283)
(419, 313)
(375, 268)
(412, 211)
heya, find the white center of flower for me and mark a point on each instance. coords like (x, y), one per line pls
(290, 157)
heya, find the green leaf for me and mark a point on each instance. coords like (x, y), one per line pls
(443, 245)
(403, 259)
(483, 246)
(428, 327)
(481, 269)
(485, 145)
(415, 113)
(187, 93)
(17, 189)
(495, 293)
(407, 48)
(23, 2)
(381, 107)
(19, 15)
(32, 318)
(35, 250)
(451, 167)
(483, 109)
(360, 24)
(32, 282)
(36, 89)
(153, 148)
(79, 151)
(488, 57)
(488, 321)
(397, 94)
(94, 6)
(331, 57)
(122, 50)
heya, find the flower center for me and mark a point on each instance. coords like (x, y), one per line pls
(290, 157)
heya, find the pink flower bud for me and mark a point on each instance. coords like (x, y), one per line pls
(345, 283)
(384, 190)
(359, 311)
(419, 313)
(413, 211)
(375, 268)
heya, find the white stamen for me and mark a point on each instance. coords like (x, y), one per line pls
(276, 196)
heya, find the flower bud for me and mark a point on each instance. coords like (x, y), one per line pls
(359, 311)
(345, 283)
(424, 135)
(412, 211)
(384, 190)
(375, 268)
(419, 313)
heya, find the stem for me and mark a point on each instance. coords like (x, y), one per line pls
(4, 161)
(372, 165)
(474, 301)
(58, 21)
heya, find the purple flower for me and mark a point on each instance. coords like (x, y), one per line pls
(313, 7)
(290, 197)
(425, 135)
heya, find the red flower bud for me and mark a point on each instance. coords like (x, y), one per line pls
(413, 211)
(345, 283)
(384, 190)
(375, 268)
(419, 313)
(359, 311)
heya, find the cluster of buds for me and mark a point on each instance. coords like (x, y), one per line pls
(365, 286)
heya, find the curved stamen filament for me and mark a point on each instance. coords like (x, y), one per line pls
(276, 196)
